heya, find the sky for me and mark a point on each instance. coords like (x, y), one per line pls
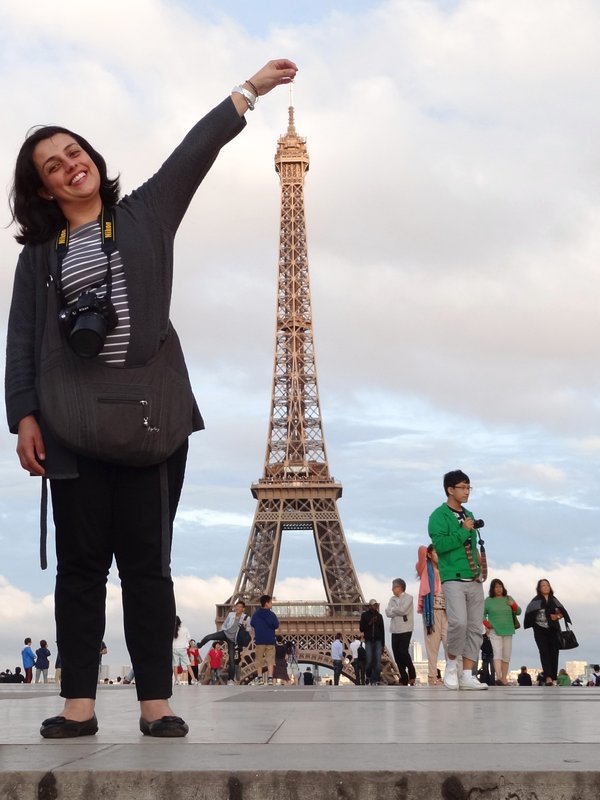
(453, 211)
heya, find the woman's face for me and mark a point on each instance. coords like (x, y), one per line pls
(67, 172)
(544, 587)
(498, 590)
(433, 555)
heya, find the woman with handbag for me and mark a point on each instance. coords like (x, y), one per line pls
(92, 296)
(500, 618)
(543, 614)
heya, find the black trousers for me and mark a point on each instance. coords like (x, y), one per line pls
(114, 510)
(359, 671)
(547, 644)
(400, 645)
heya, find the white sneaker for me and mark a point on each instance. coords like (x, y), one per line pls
(451, 676)
(470, 682)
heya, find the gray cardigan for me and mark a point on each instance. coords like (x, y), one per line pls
(397, 609)
(146, 222)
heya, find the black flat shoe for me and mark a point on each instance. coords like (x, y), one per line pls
(62, 728)
(166, 727)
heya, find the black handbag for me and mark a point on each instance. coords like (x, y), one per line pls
(133, 415)
(243, 637)
(566, 639)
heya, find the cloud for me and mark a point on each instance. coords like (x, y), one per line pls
(207, 518)
(378, 539)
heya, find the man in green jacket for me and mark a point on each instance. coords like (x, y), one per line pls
(451, 529)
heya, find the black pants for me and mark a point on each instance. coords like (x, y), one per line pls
(111, 509)
(359, 671)
(337, 671)
(219, 636)
(400, 645)
(547, 644)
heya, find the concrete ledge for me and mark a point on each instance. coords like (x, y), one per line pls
(346, 743)
(295, 785)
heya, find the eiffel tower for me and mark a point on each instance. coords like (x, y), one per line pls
(296, 491)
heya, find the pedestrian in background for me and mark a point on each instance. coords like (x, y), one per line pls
(359, 656)
(282, 652)
(372, 628)
(236, 623)
(563, 678)
(499, 614)
(400, 611)
(28, 658)
(265, 624)
(215, 657)
(543, 615)
(181, 661)
(524, 678)
(194, 659)
(433, 609)
(453, 534)
(42, 654)
(337, 657)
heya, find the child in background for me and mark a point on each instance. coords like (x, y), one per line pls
(215, 656)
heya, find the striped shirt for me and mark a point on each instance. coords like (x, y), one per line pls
(85, 266)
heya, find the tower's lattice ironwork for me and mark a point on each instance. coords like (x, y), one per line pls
(296, 490)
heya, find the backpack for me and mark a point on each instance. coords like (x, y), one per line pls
(243, 637)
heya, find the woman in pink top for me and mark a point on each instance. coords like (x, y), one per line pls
(431, 605)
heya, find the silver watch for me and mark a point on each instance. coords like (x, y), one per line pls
(248, 96)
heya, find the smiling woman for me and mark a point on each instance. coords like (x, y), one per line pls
(52, 162)
(69, 176)
(102, 266)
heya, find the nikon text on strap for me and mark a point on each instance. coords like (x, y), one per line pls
(108, 232)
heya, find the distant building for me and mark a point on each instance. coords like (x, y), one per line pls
(417, 651)
(578, 669)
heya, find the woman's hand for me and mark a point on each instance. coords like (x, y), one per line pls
(274, 73)
(30, 446)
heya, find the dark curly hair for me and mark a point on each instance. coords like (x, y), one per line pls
(493, 585)
(39, 219)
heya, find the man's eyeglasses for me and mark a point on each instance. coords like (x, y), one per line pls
(463, 486)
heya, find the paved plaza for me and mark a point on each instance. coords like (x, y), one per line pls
(305, 743)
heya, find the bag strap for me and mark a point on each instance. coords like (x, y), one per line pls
(44, 524)
(483, 557)
(481, 573)
(108, 233)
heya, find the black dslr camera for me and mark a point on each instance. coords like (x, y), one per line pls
(87, 322)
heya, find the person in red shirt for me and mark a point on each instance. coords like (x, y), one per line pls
(215, 656)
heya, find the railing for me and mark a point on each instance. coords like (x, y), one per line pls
(313, 610)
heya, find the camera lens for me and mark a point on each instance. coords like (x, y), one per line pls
(88, 334)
